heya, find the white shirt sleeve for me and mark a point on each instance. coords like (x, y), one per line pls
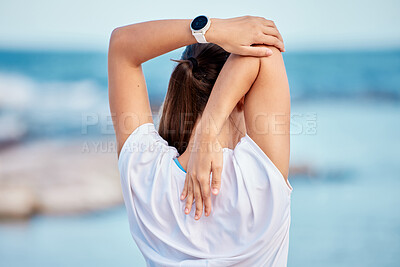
(251, 157)
(144, 165)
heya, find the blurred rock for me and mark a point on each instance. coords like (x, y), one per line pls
(16, 202)
(12, 130)
(52, 177)
(302, 170)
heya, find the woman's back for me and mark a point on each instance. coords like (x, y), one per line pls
(249, 224)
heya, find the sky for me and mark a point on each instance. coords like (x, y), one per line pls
(305, 25)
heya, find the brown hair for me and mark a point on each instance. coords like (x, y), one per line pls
(189, 88)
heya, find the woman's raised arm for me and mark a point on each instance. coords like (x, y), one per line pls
(267, 117)
(132, 45)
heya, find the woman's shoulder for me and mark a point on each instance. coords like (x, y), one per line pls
(144, 144)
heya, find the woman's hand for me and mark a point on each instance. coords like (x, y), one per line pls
(205, 157)
(236, 35)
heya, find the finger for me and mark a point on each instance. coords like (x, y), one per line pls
(185, 187)
(270, 28)
(269, 23)
(272, 40)
(198, 198)
(273, 32)
(254, 51)
(205, 193)
(264, 21)
(216, 178)
(189, 199)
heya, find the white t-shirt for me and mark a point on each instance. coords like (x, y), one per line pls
(250, 218)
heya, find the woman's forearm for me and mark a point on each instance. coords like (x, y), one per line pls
(233, 82)
(266, 106)
(143, 41)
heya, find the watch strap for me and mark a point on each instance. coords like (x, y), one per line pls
(200, 37)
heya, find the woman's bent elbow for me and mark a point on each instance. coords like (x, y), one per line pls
(116, 38)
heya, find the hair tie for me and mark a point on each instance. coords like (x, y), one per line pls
(194, 62)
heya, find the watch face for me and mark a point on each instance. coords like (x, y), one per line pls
(199, 23)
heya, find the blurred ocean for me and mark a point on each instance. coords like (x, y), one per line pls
(345, 131)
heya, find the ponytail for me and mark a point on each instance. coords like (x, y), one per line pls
(189, 88)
